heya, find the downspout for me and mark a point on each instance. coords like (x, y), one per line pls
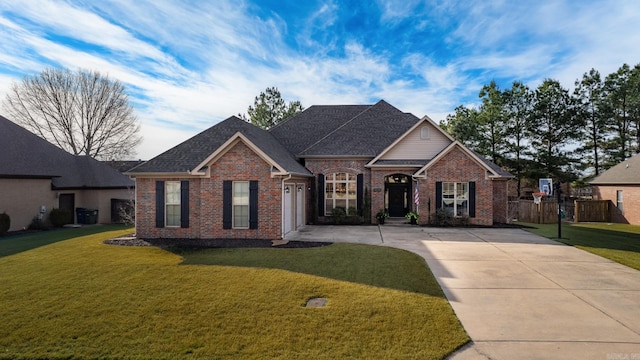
(282, 220)
(135, 207)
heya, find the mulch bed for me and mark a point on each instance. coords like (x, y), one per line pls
(210, 243)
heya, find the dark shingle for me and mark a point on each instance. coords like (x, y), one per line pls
(357, 130)
(313, 124)
(25, 155)
(189, 154)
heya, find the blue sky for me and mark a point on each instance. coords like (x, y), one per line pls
(190, 64)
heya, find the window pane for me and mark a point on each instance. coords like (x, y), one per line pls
(241, 216)
(328, 206)
(241, 193)
(619, 200)
(340, 191)
(462, 191)
(172, 192)
(172, 203)
(329, 192)
(173, 215)
(462, 207)
(240, 204)
(352, 190)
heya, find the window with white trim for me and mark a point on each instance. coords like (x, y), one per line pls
(240, 205)
(172, 203)
(455, 198)
(619, 201)
(340, 191)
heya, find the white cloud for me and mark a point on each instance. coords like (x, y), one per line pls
(191, 64)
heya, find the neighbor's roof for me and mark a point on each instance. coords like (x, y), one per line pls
(625, 173)
(25, 155)
(343, 130)
(188, 155)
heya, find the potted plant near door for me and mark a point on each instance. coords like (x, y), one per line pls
(412, 216)
(381, 216)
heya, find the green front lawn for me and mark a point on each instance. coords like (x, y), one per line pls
(617, 242)
(83, 299)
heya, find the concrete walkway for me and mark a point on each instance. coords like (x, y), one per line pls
(519, 295)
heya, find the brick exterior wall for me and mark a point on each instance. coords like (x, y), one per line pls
(205, 200)
(329, 166)
(240, 163)
(630, 213)
(491, 195)
(378, 185)
(457, 166)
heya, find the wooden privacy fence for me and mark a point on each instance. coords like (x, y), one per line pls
(593, 210)
(547, 211)
(544, 213)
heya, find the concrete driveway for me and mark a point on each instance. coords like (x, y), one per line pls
(519, 295)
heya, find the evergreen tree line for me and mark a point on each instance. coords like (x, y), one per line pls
(552, 132)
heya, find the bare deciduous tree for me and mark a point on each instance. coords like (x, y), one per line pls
(82, 112)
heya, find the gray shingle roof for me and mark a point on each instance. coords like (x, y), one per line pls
(344, 130)
(500, 171)
(627, 172)
(189, 154)
(308, 127)
(25, 155)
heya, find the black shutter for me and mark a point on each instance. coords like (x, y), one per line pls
(472, 199)
(159, 204)
(359, 192)
(438, 195)
(253, 204)
(227, 203)
(321, 194)
(184, 204)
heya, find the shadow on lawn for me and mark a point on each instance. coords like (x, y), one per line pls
(620, 246)
(19, 242)
(364, 264)
(601, 238)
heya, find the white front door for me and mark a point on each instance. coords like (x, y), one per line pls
(288, 211)
(299, 205)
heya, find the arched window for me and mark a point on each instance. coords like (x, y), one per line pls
(340, 191)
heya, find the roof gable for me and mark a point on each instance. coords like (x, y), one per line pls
(412, 146)
(193, 154)
(493, 170)
(626, 172)
(229, 144)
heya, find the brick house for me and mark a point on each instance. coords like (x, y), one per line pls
(235, 180)
(621, 186)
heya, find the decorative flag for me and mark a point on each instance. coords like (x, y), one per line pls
(416, 196)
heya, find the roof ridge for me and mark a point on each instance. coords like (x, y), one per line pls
(340, 127)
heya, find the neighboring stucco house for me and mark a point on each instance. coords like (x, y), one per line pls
(36, 176)
(621, 185)
(235, 180)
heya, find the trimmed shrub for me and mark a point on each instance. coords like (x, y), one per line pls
(442, 218)
(5, 223)
(59, 217)
(339, 215)
(38, 224)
